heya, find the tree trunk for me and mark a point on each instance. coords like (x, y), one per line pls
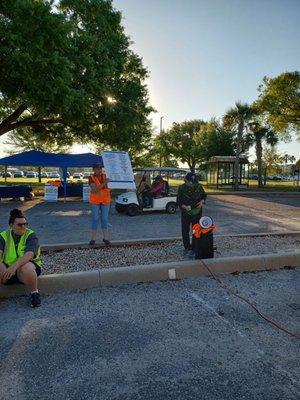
(258, 147)
(192, 166)
(5, 125)
(238, 151)
(12, 121)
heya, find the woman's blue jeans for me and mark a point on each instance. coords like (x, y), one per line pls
(100, 212)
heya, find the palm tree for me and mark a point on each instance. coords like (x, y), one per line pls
(256, 134)
(236, 118)
(287, 158)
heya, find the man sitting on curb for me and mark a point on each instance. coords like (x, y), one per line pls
(20, 256)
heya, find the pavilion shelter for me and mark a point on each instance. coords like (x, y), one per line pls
(63, 161)
(220, 171)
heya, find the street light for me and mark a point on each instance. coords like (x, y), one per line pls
(160, 131)
(160, 127)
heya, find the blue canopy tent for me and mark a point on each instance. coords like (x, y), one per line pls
(64, 161)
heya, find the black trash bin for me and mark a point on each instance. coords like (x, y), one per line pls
(204, 246)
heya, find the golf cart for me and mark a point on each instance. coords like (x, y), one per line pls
(131, 203)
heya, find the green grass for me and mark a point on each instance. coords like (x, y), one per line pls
(272, 186)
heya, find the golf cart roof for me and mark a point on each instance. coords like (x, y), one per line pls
(160, 169)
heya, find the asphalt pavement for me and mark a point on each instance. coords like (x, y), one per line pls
(174, 340)
(70, 222)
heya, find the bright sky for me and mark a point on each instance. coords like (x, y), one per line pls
(204, 55)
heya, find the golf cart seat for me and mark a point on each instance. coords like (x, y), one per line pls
(165, 191)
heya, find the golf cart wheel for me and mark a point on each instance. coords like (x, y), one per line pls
(132, 210)
(120, 208)
(171, 207)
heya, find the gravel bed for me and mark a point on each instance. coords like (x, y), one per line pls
(72, 260)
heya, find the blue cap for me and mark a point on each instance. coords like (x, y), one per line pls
(191, 177)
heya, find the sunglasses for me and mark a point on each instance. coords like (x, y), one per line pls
(22, 224)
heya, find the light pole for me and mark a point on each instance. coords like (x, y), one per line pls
(160, 131)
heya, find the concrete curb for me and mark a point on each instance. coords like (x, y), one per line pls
(133, 242)
(156, 272)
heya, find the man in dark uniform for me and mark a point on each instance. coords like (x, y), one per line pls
(190, 199)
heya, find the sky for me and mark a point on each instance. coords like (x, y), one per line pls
(204, 55)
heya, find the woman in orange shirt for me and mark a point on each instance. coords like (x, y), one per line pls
(100, 199)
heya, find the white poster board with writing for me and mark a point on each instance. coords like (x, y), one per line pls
(85, 192)
(118, 169)
(51, 192)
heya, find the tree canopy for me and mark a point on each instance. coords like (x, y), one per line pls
(214, 140)
(280, 99)
(67, 66)
(180, 141)
(194, 142)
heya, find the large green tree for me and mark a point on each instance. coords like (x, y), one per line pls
(214, 140)
(272, 159)
(280, 99)
(181, 142)
(66, 66)
(193, 142)
(236, 118)
(159, 152)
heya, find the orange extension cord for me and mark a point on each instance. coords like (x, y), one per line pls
(270, 321)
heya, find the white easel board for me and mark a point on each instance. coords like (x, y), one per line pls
(118, 169)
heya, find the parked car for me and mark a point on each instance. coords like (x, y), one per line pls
(44, 175)
(77, 175)
(18, 174)
(86, 175)
(290, 178)
(31, 174)
(7, 174)
(253, 176)
(53, 175)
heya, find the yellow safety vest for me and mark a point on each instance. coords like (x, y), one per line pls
(12, 254)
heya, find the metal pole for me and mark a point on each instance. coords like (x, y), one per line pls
(160, 131)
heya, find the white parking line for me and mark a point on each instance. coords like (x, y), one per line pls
(294, 382)
(196, 297)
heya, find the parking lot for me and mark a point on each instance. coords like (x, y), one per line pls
(174, 340)
(169, 340)
(70, 222)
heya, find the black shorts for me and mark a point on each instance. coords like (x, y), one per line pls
(15, 279)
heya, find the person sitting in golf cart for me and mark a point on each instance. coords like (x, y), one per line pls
(142, 190)
(155, 191)
(143, 186)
